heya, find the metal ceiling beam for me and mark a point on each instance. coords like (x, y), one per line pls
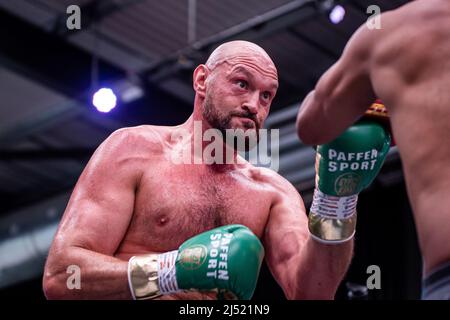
(48, 59)
(332, 55)
(93, 12)
(255, 28)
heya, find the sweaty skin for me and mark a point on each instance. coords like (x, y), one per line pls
(133, 199)
(407, 65)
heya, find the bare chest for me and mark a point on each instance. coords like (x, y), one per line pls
(175, 203)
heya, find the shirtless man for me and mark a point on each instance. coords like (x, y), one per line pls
(133, 201)
(406, 64)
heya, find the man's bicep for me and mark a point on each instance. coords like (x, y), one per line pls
(285, 234)
(101, 205)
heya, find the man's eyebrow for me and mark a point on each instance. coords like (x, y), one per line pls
(243, 70)
(240, 69)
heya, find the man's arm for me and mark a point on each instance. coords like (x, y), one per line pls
(342, 94)
(95, 222)
(304, 268)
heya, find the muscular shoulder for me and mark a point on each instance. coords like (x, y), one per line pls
(140, 141)
(401, 28)
(281, 186)
(393, 30)
(370, 37)
(125, 153)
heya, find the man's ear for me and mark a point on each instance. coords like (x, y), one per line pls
(199, 79)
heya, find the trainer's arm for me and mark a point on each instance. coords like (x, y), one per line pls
(94, 224)
(341, 95)
(303, 267)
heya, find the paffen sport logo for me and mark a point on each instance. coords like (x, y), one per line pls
(347, 184)
(193, 257)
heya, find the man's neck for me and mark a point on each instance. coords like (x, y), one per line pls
(210, 148)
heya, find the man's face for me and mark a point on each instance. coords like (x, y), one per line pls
(238, 95)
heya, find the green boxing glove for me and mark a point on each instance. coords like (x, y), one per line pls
(226, 259)
(344, 167)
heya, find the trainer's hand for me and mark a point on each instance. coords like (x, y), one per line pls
(344, 167)
(227, 259)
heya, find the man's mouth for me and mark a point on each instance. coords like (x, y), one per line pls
(247, 120)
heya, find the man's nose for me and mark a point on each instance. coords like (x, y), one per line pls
(252, 103)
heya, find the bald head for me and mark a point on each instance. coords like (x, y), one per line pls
(240, 51)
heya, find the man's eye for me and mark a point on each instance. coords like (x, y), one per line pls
(266, 95)
(242, 84)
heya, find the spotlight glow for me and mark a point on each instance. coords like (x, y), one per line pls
(104, 100)
(337, 14)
